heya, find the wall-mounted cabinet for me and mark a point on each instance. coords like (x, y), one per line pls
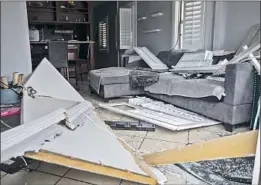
(58, 12)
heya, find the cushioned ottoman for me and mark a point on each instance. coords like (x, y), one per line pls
(112, 82)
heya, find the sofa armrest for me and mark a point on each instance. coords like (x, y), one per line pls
(239, 80)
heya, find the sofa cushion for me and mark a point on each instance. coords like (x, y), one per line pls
(175, 85)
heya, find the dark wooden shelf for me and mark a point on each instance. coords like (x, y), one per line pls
(86, 9)
(37, 11)
(56, 22)
(43, 7)
(75, 13)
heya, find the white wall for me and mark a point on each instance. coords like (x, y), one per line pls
(233, 20)
(15, 46)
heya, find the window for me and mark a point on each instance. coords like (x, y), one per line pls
(125, 28)
(103, 35)
(192, 25)
(128, 25)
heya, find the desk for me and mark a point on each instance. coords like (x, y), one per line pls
(44, 44)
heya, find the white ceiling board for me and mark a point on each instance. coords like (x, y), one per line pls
(33, 108)
(94, 142)
(47, 81)
(150, 58)
(32, 143)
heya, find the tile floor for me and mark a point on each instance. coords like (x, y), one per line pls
(143, 142)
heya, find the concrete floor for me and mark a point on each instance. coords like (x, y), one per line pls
(141, 141)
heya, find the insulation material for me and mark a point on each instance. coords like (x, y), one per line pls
(158, 113)
(91, 143)
(150, 58)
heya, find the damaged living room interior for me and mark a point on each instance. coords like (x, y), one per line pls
(130, 92)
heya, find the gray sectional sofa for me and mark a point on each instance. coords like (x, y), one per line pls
(232, 109)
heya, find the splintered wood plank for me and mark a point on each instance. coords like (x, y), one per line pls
(239, 145)
(90, 167)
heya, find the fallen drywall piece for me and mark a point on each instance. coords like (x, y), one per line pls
(74, 112)
(160, 114)
(101, 152)
(33, 108)
(239, 145)
(47, 81)
(150, 58)
(33, 143)
(92, 146)
(12, 138)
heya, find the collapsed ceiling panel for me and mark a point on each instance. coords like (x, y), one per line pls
(92, 142)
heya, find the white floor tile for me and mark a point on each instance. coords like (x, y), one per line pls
(205, 134)
(65, 181)
(152, 145)
(29, 178)
(168, 135)
(131, 133)
(133, 142)
(52, 168)
(92, 178)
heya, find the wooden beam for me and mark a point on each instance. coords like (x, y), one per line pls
(90, 167)
(239, 145)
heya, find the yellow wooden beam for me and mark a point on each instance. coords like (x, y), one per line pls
(90, 167)
(239, 145)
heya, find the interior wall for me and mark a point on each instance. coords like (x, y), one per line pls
(156, 41)
(15, 46)
(233, 20)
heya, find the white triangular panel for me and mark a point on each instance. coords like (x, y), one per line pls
(34, 108)
(47, 81)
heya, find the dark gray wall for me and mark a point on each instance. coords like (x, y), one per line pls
(233, 21)
(157, 41)
(240, 17)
